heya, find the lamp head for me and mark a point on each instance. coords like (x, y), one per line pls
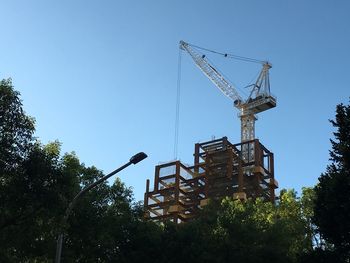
(138, 157)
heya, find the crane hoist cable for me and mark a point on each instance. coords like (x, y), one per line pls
(177, 107)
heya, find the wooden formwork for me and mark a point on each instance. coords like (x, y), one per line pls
(243, 170)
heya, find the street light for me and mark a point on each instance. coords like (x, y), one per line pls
(133, 160)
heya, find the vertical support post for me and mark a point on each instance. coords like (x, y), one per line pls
(145, 201)
(272, 167)
(240, 176)
(177, 190)
(206, 176)
(229, 164)
(257, 153)
(196, 158)
(224, 142)
(156, 178)
(257, 164)
(272, 171)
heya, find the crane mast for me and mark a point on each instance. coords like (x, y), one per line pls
(260, 98)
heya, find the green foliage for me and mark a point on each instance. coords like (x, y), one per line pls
(258, 231)
(36, 185)
(332, 206)
(235, 231)
(16, 128)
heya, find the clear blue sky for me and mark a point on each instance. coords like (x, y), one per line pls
(100, 76)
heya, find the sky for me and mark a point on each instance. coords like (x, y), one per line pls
(101, 77)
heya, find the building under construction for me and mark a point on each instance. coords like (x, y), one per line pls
(243, 170)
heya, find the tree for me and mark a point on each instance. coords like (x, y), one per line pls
(36, 185)
(258, 231)
(332, 205)
(16, 141)
(16, 128)
(31, 205)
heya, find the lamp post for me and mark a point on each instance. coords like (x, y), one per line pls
(133, 160)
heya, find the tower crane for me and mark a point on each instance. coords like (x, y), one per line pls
(259, 100)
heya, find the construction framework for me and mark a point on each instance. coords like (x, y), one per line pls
(220, 169)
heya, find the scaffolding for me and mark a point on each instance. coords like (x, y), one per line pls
(243, 170)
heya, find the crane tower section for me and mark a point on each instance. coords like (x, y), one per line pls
(259, 100)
